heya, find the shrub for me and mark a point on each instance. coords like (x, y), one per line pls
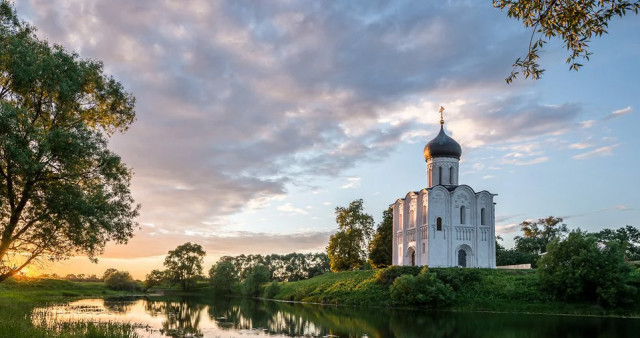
(120, 280)
(388, 275)
(458, 278)
(272, 290)
(424, 290)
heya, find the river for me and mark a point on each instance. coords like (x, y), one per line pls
(237, 317)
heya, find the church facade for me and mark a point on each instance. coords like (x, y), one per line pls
(445, 224)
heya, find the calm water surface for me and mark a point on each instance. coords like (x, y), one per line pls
(197, 317)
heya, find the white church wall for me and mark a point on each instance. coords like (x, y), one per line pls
(439, 239)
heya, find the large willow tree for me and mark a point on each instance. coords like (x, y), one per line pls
(62, 191)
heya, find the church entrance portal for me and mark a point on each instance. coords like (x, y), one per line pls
(462, 258)
(411, 254)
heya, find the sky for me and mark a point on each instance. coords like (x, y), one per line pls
(255, 120)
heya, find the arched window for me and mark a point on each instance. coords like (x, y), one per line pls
(424, 214)
(462, 214)
(440, 175)
(439, 224)
(422, 247)
(451, 175)
(482, 221)
(412, 220)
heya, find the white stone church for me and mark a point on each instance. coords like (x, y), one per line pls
(445, 224)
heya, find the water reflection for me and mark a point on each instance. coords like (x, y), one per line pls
(223, 317)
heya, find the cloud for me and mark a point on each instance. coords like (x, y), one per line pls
(352, 182)
(507, 229)
(580, 145)
(587, 123)
(504, 218)
(602, 151)
(621, 207)
(290, 209)
(237, 101)
(229, 243)
(618, 113)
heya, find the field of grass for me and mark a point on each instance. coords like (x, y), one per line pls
(19, 296)
(475, 290)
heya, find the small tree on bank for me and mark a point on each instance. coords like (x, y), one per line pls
(62, 191)
(381, 246)
(184, 264)
(347, 247)
(258, 276)
(223, 277)
(120, 280)
(153, 279)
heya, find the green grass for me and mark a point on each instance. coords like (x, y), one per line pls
(492, 290)
(18, 298)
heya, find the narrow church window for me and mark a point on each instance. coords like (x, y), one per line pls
(482, 222)
(422, 247)
(439, 224)
(400, 225)
(440, 175)
(412, 219)
(424, 214)
(462, 214)
(451, 175)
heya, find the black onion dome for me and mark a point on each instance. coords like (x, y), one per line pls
(442, 146)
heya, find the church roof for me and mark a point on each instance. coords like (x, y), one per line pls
(442, 146)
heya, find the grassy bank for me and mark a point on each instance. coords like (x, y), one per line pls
(475, 290)
(19, 296)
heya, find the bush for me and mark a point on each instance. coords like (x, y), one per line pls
(272, 290)
(458, 278)
(424, 290)
(120, 280)
(258, 276)
(582, 269)
(388, 275)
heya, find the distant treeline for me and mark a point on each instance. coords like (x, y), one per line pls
(283, 268)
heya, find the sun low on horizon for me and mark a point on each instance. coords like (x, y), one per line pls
(255, 121)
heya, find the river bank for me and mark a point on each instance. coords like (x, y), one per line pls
(18, 297)
(475, 290)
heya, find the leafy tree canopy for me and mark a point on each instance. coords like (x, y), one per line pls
(120, 280)
(573, 21)
(62, 191)
(381, 246)
(628, 237)
(537, 234)
(184, 264)
(258, 276)
(347, 247)
(223, 276)
(580, 268)
(153, 279)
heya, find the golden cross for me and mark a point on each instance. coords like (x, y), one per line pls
(441, 117)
